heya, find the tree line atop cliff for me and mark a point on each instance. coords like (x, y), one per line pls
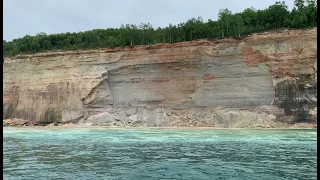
(303, 15)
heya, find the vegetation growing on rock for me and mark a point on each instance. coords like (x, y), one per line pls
(229, 24)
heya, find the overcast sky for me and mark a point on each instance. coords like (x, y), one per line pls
(29, 17)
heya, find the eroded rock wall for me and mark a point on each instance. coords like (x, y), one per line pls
(275, 68)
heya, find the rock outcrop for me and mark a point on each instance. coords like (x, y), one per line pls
(16, 122)
(257, 81)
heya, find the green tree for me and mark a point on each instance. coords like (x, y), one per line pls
(225, 20)
(277, 13)
(239, 24)
(311, 12)
(249, 17)
(299, 4)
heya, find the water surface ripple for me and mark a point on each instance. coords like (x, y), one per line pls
(159, 154)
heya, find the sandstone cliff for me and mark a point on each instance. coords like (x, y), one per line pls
(268, 77)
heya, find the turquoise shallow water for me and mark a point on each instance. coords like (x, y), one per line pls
(159, 154)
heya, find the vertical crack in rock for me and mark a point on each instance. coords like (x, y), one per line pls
(108, 81)
(100, 95)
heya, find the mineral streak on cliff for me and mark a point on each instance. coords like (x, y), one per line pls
(274, 68)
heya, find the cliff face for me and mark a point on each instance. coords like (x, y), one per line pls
(266, 69)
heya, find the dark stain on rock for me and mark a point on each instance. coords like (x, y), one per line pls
(50, 116)
(10, 102)
(297, 97)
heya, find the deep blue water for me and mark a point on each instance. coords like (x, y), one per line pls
(159, 154)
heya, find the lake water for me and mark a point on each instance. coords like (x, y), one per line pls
(159, 154)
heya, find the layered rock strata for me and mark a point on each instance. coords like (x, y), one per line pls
(263, 80)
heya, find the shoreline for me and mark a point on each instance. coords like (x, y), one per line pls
(159, 128)
(25, 124)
